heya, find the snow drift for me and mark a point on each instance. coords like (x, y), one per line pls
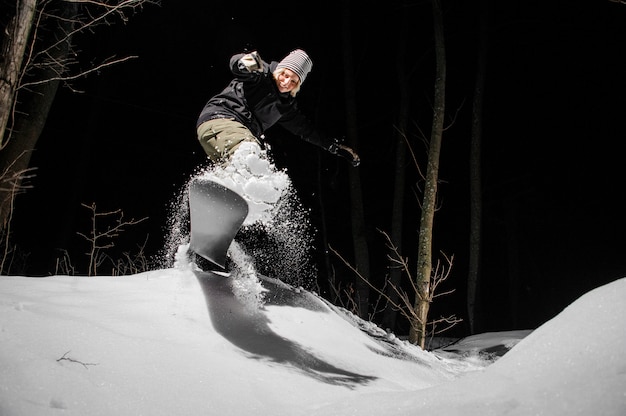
(180, 341)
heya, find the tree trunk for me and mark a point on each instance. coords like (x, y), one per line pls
(476, 192)
(34, 107)
(14, 44)
(361, 249)
(397, 213)
(511, 223)
(417, 334)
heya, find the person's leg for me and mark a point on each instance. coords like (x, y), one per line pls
(220, 137)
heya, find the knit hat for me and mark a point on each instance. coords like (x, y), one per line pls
(299, 62)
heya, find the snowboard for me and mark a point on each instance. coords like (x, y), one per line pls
(216, 214)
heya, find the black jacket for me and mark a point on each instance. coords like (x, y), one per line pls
(253, 99)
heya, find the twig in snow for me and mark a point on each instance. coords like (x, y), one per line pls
(70, 359)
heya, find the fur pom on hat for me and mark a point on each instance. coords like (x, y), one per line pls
(299, 62)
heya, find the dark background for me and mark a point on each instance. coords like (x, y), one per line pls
(552, 147)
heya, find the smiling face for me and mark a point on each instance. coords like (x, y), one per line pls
(287, 80)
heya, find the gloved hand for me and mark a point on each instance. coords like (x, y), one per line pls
(344, 151)
(252, 62)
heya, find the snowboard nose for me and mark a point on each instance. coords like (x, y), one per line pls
(216, 214)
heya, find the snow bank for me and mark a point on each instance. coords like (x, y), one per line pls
(177, 341)
(573, 365)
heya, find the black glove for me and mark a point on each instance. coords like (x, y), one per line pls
(344, 151)
(252, 62)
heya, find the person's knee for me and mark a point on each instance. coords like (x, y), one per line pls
(220, 138)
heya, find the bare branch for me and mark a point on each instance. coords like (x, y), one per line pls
(408, 145)
(405, 303)
(66, 358)
(456, 114)
(96, 19)
(450, 321)
(81, 74)
(12, 183)
(103, 239)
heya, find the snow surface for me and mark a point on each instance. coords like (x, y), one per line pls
(179, 341)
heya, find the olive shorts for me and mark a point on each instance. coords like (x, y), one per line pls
(221, 137)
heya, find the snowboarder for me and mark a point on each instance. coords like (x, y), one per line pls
(260, 95)
(230, 129)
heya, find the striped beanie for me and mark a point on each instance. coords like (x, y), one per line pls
(299, 62)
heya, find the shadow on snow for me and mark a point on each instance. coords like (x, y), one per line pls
(251, 332)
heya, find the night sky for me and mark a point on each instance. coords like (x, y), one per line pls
(552, 147)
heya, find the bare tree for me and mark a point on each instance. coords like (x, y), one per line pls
(476, 192)
(104, 238)
(26, 50)
(399, 177)
(417, 333)
(17, 34)
(37, 55)
(361, 248)
(12, 183)
(402, 300)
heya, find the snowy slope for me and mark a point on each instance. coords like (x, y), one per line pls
(179, 341)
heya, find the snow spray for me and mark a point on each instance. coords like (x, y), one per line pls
(275, 237)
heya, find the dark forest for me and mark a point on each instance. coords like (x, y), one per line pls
(553, 179)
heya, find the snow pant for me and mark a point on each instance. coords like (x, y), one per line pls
(221, 137)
